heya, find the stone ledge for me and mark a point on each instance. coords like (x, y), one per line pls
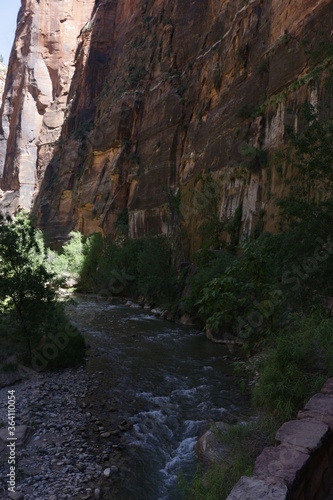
(302, 435)
(280, 465)
(301, 463)
(251, 488)
(320, 409)
(328, 387)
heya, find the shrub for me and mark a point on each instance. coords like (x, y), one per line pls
(208, 265)
(62, 346)
(157, 279)
(296, 364)
(25, 284)
(130, 268)
(70, 258)
(246, 286)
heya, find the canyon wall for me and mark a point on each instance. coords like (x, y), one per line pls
(40, 72)
(121, 104)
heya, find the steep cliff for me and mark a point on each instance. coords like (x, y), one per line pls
(3, 72)
(40, 72)
(162, 92)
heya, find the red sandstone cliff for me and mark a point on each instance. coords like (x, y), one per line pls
(40, 73)
(162, 91)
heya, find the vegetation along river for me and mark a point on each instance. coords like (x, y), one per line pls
(168, 382)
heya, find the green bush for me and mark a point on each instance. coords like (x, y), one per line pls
(296, 364)
(208, 265)
(66, 344)
(157, 278)
(89, 273)
(130, 268)
(29, 309)
(69, 260)
(26, 289)
(249, 284)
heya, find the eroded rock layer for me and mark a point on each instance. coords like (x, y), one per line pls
(40, 73)
(163, 93)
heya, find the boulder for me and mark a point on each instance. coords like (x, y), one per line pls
(208, 447)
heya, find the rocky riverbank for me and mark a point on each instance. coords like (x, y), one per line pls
(63, 451)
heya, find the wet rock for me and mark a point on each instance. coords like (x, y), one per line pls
(157, 311)
(186, 319)
(129, 303)
(223, 337)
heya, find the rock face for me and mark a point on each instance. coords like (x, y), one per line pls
(163, 93)
(40, 73)
(3, 73)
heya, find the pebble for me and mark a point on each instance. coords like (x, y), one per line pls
(63, 455)
(106, 435)
(107, 472)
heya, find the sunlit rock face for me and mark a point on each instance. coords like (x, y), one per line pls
(119, 103)
(41, 68)
(3, 73)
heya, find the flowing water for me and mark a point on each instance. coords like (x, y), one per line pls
(168, 381)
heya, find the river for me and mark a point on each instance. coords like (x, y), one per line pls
(167, 381)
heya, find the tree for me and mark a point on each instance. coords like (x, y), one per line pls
(24, 281)
(308, 206)
(306, 211)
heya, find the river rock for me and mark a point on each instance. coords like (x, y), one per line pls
(222, 337)
(186, 319)
(129, 303)
(106, 435)
(22, 433)
(107, 472)
(15, 495)
(156, 311)
(208, 447)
